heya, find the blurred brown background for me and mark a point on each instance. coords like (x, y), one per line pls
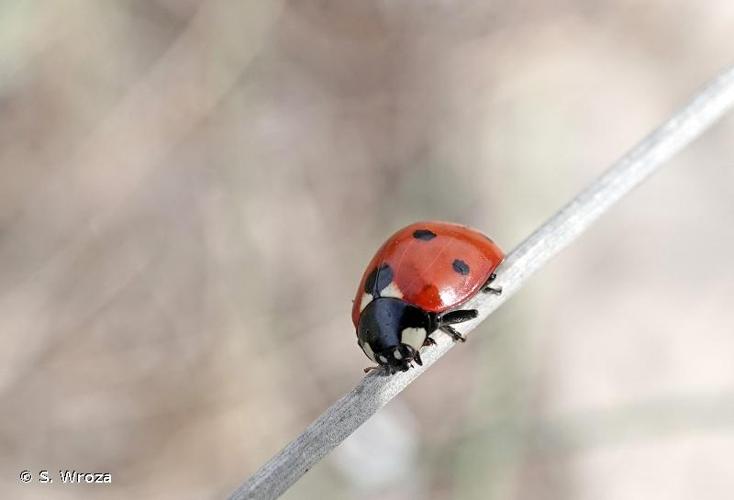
(189, 192)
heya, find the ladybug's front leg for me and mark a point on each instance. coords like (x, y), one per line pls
(489, 289)
(453, 332)
(457, 316)
(445, 321)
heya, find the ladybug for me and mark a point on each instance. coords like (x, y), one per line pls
(415, 285)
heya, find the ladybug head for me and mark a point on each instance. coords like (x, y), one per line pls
(392, 331)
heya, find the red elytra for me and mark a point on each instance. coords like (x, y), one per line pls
(435, 266)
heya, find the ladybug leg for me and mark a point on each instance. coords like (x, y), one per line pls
(418, 359)
(429, 341)
(371, 368)
(453, 332)
(458, 316)
(451, 318)
(489, 289)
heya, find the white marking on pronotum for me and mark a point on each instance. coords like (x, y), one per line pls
(383, 359)
(368, 351)
(391, 290)
(397, 354)
(366, 299)
(414, 337)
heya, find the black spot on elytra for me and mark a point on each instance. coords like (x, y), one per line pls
(460, 267)
(423, 234)
(378, 279)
